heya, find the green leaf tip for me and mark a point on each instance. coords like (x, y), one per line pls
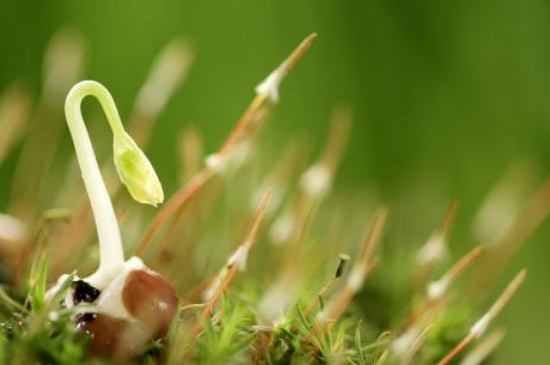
(136, 172)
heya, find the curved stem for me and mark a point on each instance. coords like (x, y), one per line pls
(110, 244)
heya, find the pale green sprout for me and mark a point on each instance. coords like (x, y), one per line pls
(133, 167)
(136, 172)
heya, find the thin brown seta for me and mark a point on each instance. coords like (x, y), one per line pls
(462, 264)
(437, 243)
(243, 123)
(481, 325)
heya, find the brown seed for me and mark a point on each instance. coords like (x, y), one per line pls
(150, 299)
(110, 336)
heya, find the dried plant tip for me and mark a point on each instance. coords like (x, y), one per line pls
(269, 88)
(343, 259)
(481, 325)
(266, 90)
(341, 265)
(436, 248)
(364, 260)
(438, 289)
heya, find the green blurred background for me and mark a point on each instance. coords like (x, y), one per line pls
(446, 96)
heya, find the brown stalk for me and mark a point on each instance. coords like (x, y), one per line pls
(258, 101)
(447, 278)
(463, 263)
(440, 235)
(479, 327)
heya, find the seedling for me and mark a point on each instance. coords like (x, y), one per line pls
(123, 292)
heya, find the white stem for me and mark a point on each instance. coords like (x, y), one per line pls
(110, 244)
